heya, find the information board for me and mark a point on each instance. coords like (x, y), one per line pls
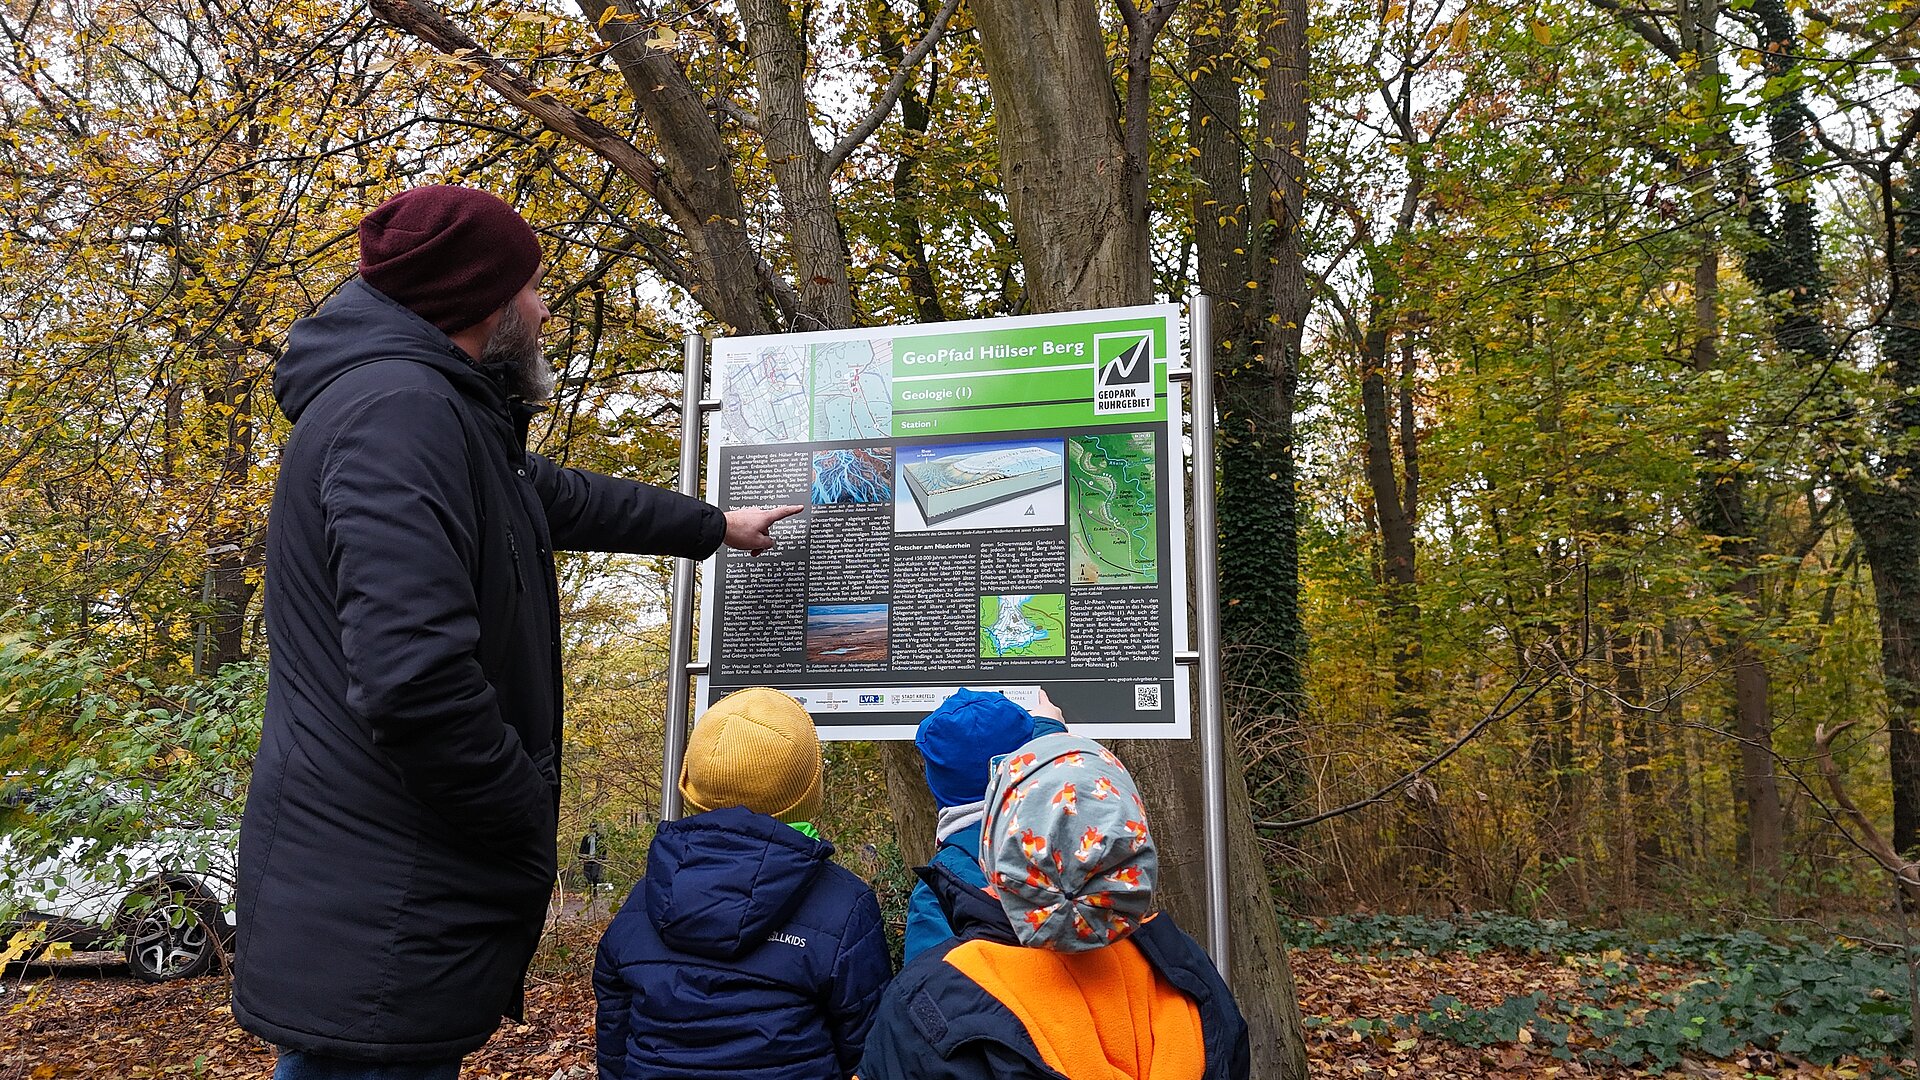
(993, 504)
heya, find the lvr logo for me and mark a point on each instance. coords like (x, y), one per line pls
(1123, 372)
(871, 699)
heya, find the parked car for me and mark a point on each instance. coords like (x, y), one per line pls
(161, 894)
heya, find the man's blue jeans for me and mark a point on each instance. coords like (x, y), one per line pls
(295, 1065)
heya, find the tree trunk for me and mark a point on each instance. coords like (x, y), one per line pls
(909, 802)
(236, 542)
(1884, 504)
(1722, 515)
(1248, 242)
(1640, 833)
(1063, 159)
(696, 186)
(1550, 755)
(1886, 516)
(1391, 506)
(798, 165)
(908, 242)
(1759, 784)
(1421, 818)
(1721, 512)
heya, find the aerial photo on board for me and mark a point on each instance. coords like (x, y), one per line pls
(1112, 520)
(846, 633)
(861, 476)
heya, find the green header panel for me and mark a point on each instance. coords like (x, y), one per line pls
(1084, 369)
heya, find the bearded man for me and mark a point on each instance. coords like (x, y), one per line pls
(398, 846)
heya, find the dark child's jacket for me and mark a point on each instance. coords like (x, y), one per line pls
(745, 952)
(926, 921)
(981, 1006)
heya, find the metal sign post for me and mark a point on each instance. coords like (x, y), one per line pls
(1206, 589)
(680, 645)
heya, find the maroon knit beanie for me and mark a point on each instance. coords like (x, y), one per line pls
(451, 255)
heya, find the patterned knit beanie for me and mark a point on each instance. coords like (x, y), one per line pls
(1065, 845)
(754, 748)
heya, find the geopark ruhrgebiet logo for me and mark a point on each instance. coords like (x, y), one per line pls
(1123, 372)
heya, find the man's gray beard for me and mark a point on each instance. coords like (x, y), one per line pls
(515, 345)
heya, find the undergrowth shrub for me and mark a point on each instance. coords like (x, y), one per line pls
(1815, 1001)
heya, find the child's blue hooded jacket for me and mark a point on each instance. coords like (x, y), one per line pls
(959, 851)
(744, 953)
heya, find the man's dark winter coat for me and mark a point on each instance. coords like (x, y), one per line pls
(398, 846)
(744, 953)
(935, 1023)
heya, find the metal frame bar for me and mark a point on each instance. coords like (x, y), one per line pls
(1206, 589)
(680, 644)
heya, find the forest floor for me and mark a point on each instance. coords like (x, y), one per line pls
(77, 1020)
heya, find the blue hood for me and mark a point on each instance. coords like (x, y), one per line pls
(718, 883)
(361, 325)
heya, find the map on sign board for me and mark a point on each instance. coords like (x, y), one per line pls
(1019, 625)
(1112, 527)
(852, 390)
(764, 400)
(991, 504)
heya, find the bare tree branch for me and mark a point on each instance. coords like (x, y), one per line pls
(1501, 710)
(427, 23)
(1646, 28)
(1905, 871)
(733, 111)
(864, 130)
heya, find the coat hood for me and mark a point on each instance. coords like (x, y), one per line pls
(361, 325)
(719, 883)
(970, 911)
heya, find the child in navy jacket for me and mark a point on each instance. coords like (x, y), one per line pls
(958, 741)
(746, 952)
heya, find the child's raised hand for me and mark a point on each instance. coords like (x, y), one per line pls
(1047, 708)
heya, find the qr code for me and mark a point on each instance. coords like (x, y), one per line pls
(1146, 697)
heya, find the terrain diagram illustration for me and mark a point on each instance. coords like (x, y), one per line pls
(963, 479)
(765, 398)
(1111, 477)
(852, 390)
(1018, 626)
(862, 476)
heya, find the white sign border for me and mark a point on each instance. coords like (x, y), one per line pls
(723, 351)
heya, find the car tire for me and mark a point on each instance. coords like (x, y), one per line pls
(172, 932)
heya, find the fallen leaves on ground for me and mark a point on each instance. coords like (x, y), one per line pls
(1338, 987)
(72, 1021)
(99, 1025)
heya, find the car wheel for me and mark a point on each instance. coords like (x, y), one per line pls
(170, 934)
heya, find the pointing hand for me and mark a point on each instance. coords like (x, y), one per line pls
(747, 530)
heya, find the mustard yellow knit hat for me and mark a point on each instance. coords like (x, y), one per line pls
(754, 748)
